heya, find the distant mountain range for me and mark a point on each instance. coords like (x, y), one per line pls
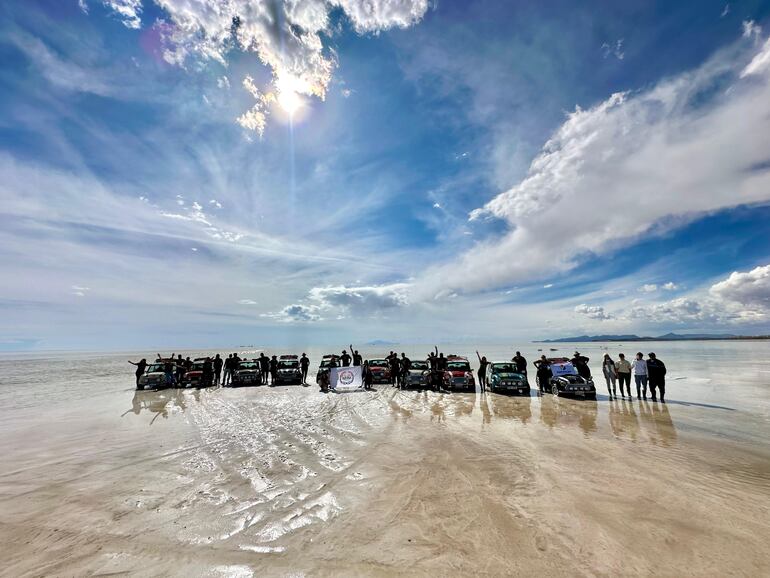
(666, 337)
(378, 342)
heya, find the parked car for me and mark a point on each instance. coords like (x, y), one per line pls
(566, 381)
(323, 369)
(418, 374)
(460, 373)
(289, 371)
(380, 370)
(248, 373)
(193, 377)
(154, 377)
(503, 376)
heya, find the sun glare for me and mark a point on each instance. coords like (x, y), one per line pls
(289, 101)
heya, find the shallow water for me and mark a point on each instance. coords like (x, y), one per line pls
(99, 478)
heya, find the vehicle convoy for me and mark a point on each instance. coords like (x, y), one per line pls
(418, 374)
(193, 377)
(154, 377)
(248, 373)
(289, 371)
(324, 368)
(503, 376)
(566, 381)
(460, 373)
(380, 370)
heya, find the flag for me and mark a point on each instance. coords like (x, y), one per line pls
(345, 378)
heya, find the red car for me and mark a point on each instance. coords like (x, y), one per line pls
(461, 373)
(380, 370)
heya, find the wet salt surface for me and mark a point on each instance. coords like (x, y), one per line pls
(100, 478)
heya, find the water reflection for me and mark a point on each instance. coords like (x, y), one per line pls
(633, 420)
(162, 402)
(511, 407)
(562, 412)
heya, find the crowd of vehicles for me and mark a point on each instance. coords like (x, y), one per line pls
(455, 373)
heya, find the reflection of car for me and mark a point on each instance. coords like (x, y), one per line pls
(461, 374)
(288, 370)
(503, 376)
(323, 369)
(248, 373)
(380, 370)
(418, 374)
(193, 377)
(566, 381)
(154, 377)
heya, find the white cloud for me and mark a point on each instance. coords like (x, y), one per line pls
(83, 5)
(648, 288)
(725, 11)
(223, 82)
(610, 174)
(246, 302)
(296, 312)
(593, 312)
(760, 63)
(750, 289)
(751, 30)
(80, 291)
(287, 37)
(216, 203)
(548, 286)
(615, 49)
(670, 286)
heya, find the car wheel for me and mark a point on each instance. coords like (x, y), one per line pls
(555, 390)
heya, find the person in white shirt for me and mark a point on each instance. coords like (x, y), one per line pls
(640, 375)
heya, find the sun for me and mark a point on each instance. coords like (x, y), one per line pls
(289, 101)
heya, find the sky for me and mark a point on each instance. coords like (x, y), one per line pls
(212, 172)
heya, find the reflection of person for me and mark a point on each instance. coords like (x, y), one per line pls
(623, 368)
(640, 375)
(610, 374)
(483, 363)
(656, 373)
(304, 364)
(141, 365)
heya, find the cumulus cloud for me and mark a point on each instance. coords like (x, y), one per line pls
(750, 289)
(287, 37)
(670, 286)
(636, 164)
(678, 311)
(648, 288)
(593, 312)
(296, 312)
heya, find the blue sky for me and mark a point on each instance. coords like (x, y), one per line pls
(332, 170)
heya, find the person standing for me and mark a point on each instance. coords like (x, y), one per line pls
(406, 365)
(217, 369)
(357, 360)
(581, 364)
(656, 372)
(208, 372)
(367, 375)
(544, 372)
(345, 358)
(610, 375)
(141, 365)
(304, 364)
(521, 364)
(623, 368)
(228, 367)
(264, 367)
(483, 363)
(273, 370)
(180, 368)
(393, 362)
(640, 375)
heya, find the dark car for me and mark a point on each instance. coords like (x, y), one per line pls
(323, 369)
(193, 377)
(460, 373)
(418, 374)
(503, 376)
(566, 381)
(289, 371)
(248, 373)
(380, 370)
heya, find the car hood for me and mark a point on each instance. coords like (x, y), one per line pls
(572, 379)
(509, 375)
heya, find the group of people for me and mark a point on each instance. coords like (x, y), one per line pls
(519, 361)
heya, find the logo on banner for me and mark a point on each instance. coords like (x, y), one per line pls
(346, 377)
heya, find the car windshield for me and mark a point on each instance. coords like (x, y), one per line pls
(378, 363)
(155, 367)
(326, 362)
(288, 364)
(197, 366)
(503, 368)
(248, 365)
(419, 365)
(458, 366)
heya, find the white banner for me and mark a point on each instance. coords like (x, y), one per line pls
(345, 378)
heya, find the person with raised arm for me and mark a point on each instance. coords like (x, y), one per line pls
(483, 363)
(141, 365)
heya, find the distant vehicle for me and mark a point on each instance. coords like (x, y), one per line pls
(289, 371)
(154, 377)
(194, 376)
(460, 373)
(380, 370)
(418, 374)
(248, 373)
(503, 376)
(323, 369)
(566, 381)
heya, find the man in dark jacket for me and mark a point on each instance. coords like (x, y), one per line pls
(208, 372)
(304, 364)
(521, 363)
(656, 374)
(581, 364)
(217, 369)
(264, 367)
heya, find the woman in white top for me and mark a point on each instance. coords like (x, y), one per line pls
(640, 375)
(610, 374)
